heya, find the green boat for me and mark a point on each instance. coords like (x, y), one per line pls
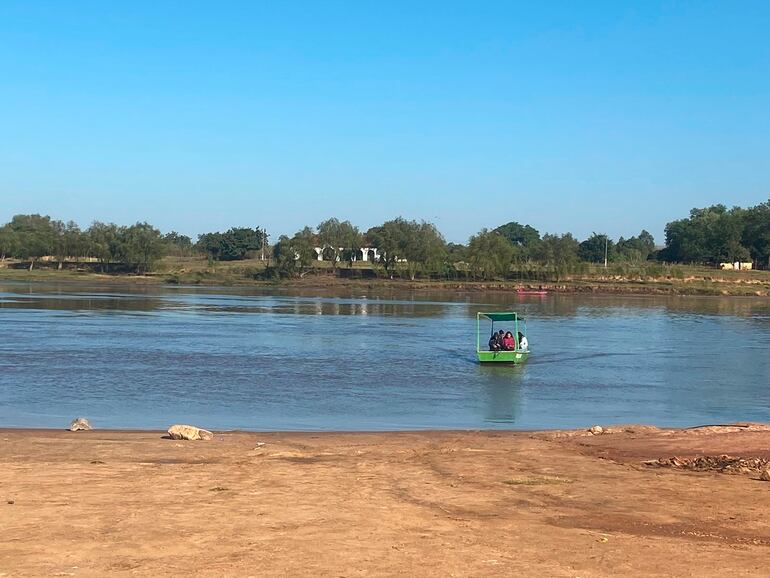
(515, 325)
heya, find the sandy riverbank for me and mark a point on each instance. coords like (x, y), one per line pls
(373, 504)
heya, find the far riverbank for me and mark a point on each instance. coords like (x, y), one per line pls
(686, 281)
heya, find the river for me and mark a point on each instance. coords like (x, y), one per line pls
(269, 359)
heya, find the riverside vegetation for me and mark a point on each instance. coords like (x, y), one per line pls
(411, 252)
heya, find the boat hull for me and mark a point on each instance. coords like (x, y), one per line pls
(502, 356)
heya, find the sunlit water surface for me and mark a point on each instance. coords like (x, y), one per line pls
(271, 360)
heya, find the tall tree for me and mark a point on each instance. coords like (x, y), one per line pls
(414, 245)
(141, 245)
(756, 233)
(490, 254)
(103, 243)
(339, 239)
(519, 235)
(9, 242)
(558, 250)
(234, 244)
(36, 236)
(710, 235)
(596, 247)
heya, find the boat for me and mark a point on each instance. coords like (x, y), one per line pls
(515, 325)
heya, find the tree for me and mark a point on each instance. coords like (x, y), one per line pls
(36, 236)
(9, 242)
(303, 244)
(177, 245)
(350, 241)
(594, 249)
(69, 241)
(415, 245)
(519, 235)
(490, 254)
(234, 244)
(557, 250)
(339, 240)
(756, 233)
(141, 245)
(709, 235)
(102, 239)
(428, 248)
(456, 252)
(388, 238)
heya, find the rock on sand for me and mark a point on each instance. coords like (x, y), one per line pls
(189, 432)
(80, 424)
(597, 430)
(765, 475)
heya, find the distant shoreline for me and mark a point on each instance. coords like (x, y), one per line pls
(701, 282)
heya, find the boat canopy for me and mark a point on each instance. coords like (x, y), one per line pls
(501, 316)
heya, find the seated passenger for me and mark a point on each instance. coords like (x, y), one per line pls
(494, 342)
(523, 343)
(509, 343)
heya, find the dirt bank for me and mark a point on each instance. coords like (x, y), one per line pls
(372, 504)
(704, 282)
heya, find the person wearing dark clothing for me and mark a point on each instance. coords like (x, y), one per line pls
(496, 341)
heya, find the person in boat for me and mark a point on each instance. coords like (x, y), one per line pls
(523, 343)
(509, 343)
(494, 342)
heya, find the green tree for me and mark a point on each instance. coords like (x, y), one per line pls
(710, 235)
(141, 246)
(456, 252)
(594, 249)
(9, 242)
(519, 235)
(339, 239)
(36, 236)
(756, 233)
(388, 238)
(234, 244)
(558, 250)
(102, 240)
(490, 254)
(284, 257)
(303, 243)
(177, 244)
(351, 240)
(412, 245)
(69, 241)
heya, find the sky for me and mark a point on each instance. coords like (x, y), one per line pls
(568, 116)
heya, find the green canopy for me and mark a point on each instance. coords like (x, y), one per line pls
(500, 316)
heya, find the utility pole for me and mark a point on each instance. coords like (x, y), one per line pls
(606, 242)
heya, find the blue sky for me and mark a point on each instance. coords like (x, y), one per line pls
(569, 116)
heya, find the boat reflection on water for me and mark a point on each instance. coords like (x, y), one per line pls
(501, 389)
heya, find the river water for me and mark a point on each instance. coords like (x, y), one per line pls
(276, 360)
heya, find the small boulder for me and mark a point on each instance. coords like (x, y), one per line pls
(765, 475)
(597, 430)
(189, 432)
(80, 424)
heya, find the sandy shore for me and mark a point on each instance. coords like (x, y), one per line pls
(384, 504)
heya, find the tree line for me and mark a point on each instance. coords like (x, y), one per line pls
(405, 248)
